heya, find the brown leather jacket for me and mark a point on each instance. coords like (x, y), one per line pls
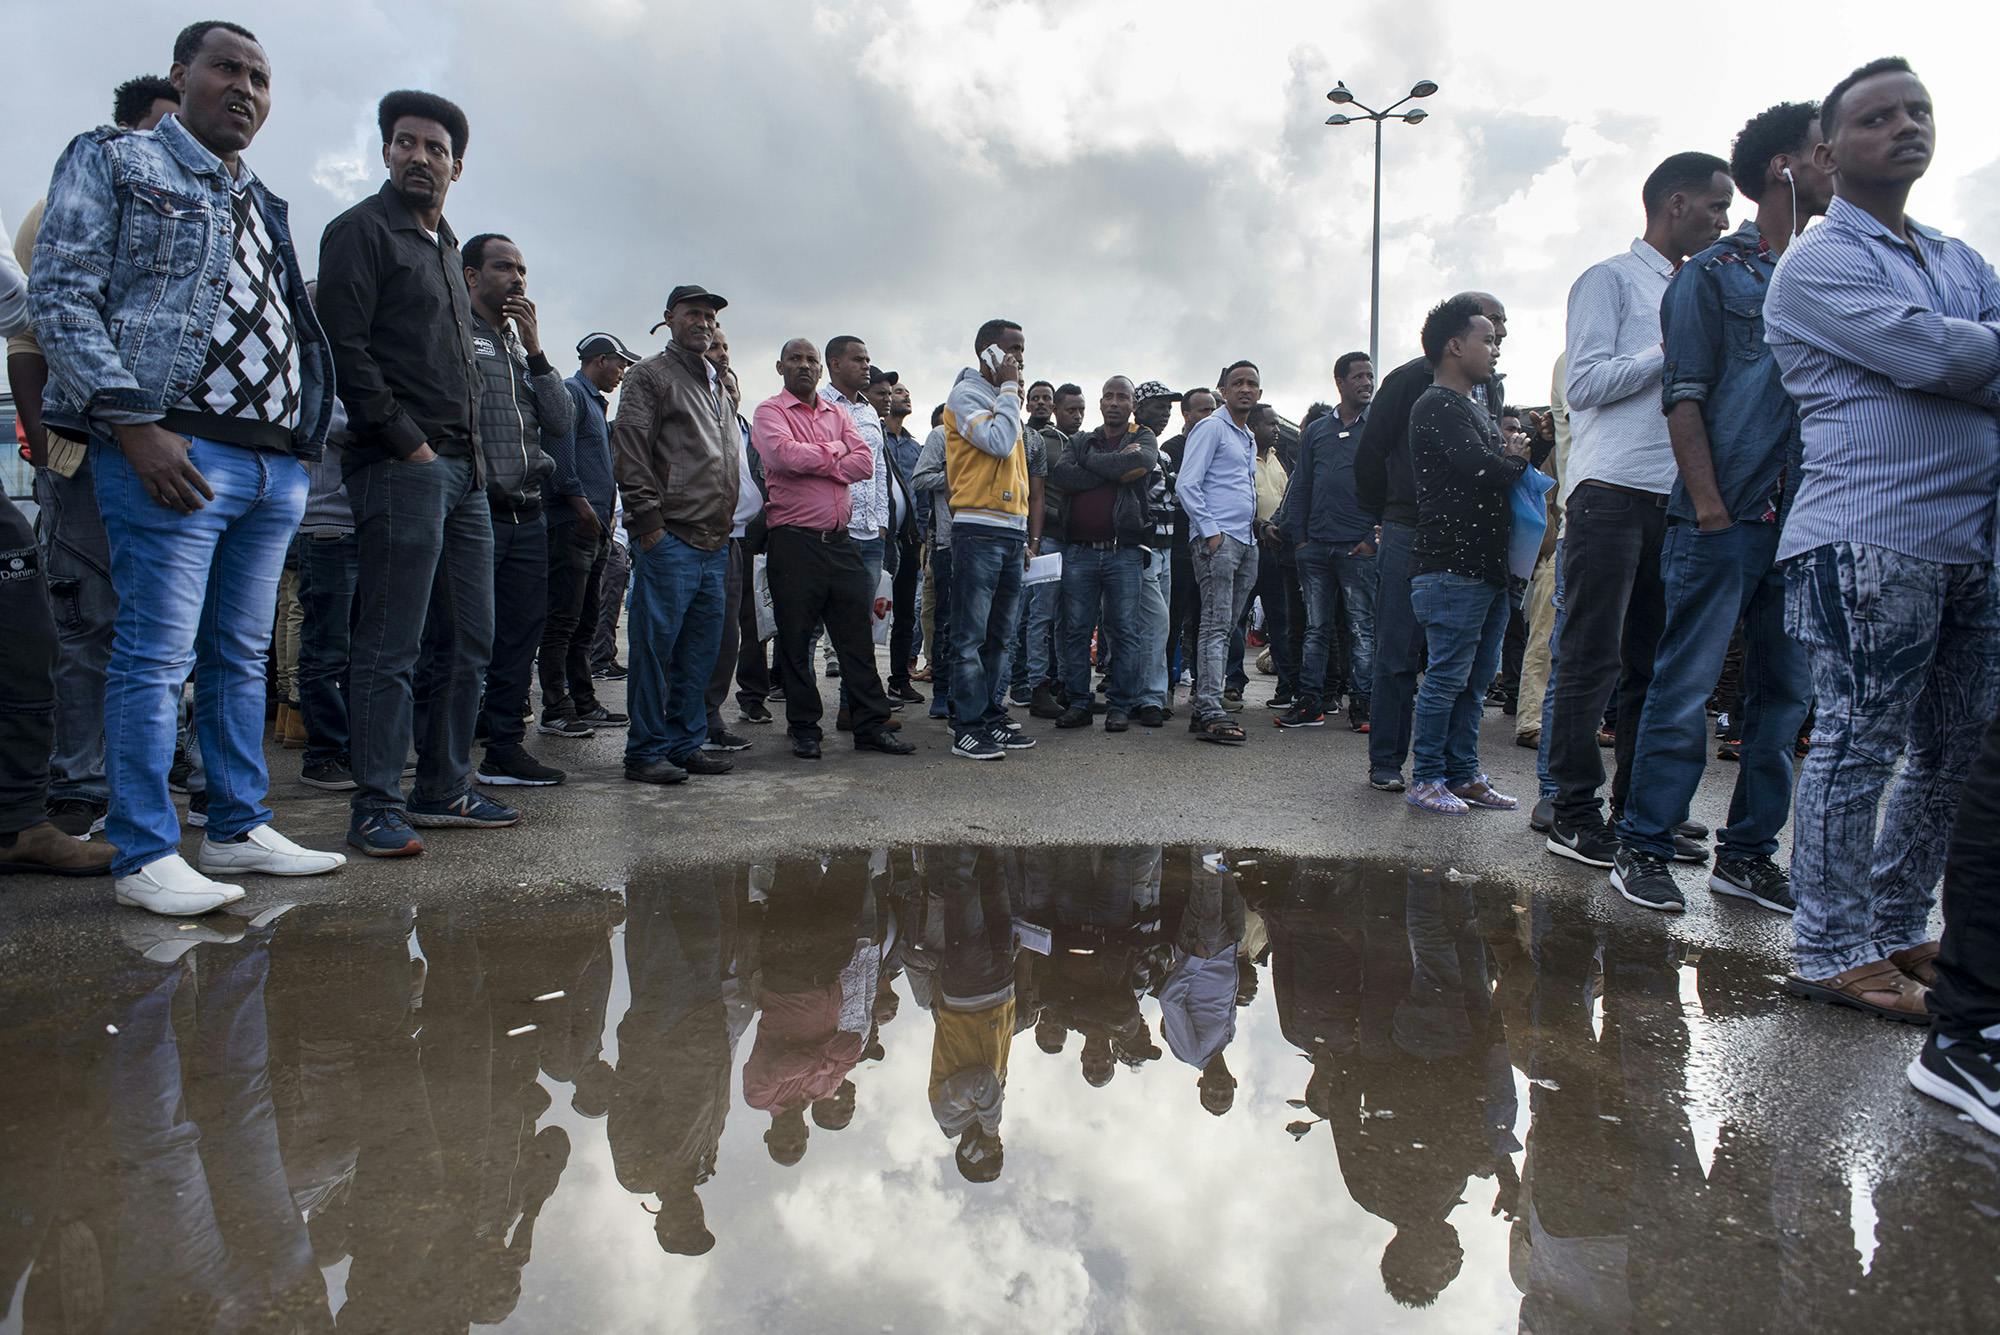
(674, 448)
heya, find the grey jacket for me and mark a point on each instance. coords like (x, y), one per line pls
(520, 397)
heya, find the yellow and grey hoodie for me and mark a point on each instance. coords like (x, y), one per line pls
(985, 458)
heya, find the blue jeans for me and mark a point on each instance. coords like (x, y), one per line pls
(985, 600)
(1225, 576)
(1156, 601)
(1336, 583)
(1041, 628)
(1464, 619)
(192, 589)
(1905, 662)
(1545, 782)
(1712, 580)
(78, 567)
(1399, 654)
(328, 569)
(424, 571)
(673, 635)
(1101, 587)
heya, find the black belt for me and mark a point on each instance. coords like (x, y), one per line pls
(1657, 498)
(1110, 546)
(825, 535)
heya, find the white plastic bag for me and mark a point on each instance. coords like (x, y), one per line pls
(760, 586)
(885, 604)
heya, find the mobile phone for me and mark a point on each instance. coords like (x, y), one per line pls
(993, 358)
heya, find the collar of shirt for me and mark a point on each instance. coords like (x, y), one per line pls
(401, 219)
(1847, 217)
(1651, 258)
(196, 156)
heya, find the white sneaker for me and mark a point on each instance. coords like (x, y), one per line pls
(169, 886)
(266, 852)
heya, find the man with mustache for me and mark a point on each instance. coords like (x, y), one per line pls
(392, 295)
(521, 397)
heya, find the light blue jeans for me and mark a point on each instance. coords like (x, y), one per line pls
(1464, 619)
(197, 588)
(1905, 663)
(1156, 601)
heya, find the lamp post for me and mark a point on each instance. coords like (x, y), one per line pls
(1340, 96)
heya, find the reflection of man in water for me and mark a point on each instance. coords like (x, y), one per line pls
(1198, 995)
(670, 1093)
(821, 963)
(974, 1010)
(1104, 916)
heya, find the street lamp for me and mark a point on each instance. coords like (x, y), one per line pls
(1340, 96)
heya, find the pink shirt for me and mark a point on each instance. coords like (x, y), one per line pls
(811, 454)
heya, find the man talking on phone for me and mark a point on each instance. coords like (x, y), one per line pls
(986, 461)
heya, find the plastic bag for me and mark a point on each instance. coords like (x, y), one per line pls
(760, 586)
(1529, 499)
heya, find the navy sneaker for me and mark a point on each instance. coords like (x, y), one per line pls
(471, 810)
(384, 834)
(1962, 1073)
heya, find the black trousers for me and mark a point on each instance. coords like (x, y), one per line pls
(753, 661)
(576, 579)
(819, 578)
(1967, 996)
(903, 632)
(1615, 606)
(27, 675)
(732, 633)
(520, 609)
(610, 605)
(1184, 616)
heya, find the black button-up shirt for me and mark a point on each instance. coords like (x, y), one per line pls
(394, 306)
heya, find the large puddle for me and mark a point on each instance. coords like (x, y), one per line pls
(967, 1089)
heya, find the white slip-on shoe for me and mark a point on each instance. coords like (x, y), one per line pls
(265, 852)
(169, 886)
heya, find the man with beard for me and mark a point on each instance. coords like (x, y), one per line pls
(393, 298)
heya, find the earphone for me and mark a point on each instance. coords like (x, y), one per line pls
(1794, 186)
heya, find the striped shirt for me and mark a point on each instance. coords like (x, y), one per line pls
(1612, 342)
(1892, 351)
(870, 496)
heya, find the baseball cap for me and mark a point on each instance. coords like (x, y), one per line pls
(878, 376)
(1153, 389)
(601, 344)
(690, 292)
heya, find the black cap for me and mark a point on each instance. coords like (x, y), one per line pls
(689, 292)
(878, 376)
(604, 345)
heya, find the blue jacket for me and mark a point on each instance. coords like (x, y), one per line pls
(1713, 322)
(130, 265)
(1320, 504)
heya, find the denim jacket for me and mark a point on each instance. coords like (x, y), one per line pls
(129, 268)
(1713, 322)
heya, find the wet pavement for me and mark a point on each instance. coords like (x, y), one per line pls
(950, 1088)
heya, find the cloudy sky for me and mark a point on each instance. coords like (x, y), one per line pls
(1148, 188)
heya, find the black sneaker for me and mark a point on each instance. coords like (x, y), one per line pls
(1150, 716)
(701, 762)
(832, 668)
(1280, 700)
(1046, 702)
(1691, 851)
(1760, 880)
(722, 739)
(329, 776)
(178, 772)
(198, 809)
(1593, 845)
(597, 716)
(1076, 716)
(1386, 783)
(1964, 1073)
(564, 725)
(908, 694)
(515, 768)
(612, 671)
(1011, 736)
(78, 817)
(977, 746)
(1305, 713)
(1646, 881)
(752, 711)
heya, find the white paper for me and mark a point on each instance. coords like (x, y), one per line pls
(1044, 569)
(760, 587)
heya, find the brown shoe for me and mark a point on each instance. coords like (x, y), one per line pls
(1880, 989)
(289, 727)
(1918, 961)
(45, 850)
(1531, 741)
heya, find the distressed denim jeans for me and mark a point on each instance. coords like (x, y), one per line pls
(1226, 577)
(1905, 663)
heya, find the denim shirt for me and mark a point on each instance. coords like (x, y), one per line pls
(130, 266)
(1713, 321)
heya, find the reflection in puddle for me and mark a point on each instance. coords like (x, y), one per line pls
(1257, 1093)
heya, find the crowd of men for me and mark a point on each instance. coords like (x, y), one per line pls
(1780, 473)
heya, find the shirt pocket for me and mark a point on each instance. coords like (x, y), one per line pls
(1743, 327)
(165, 232)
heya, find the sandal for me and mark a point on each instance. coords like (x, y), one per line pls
(1478, 792)
(1895, 995)
(1223, 731)
(1918, 961)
